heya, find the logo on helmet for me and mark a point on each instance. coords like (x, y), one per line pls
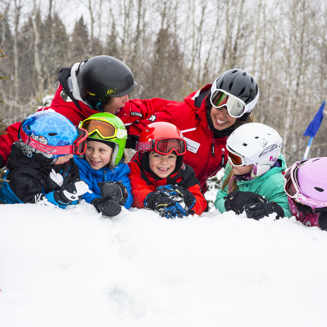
(268, 150)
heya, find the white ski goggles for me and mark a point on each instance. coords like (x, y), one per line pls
(236, 107)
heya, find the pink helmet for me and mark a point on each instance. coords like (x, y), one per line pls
(312, 178)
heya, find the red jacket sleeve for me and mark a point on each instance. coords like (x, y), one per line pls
(7, 139)
(140, 188)
(201, 202)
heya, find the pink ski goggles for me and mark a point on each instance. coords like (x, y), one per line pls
(293, 190)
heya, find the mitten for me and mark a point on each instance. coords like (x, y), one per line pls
(322, 221)
(262, 209)
(114, 191)
(178, 193)
(164, 205)
(71, 192)
(107, 207)
(235, 201)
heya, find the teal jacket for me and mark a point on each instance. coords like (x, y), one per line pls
(269, 185)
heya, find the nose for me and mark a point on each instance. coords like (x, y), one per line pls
(164, 159)
(125, 98)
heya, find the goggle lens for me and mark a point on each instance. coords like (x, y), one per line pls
(166, 146)
(235, 106)
(103, 128)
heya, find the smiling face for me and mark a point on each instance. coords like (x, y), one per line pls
(97, 154)
(115, 105)
(221, 119)
(162, 165)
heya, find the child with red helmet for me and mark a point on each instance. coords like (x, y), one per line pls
(306, 187)
(160, 180)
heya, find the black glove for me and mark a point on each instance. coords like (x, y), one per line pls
(236, 201)
(164, 205)
(114, 191)
(177, 192)
(107, 207)
(322, 221)
(263, 209)
(1, 161)
(71, 192)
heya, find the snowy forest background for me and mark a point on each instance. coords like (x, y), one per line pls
(174, 47)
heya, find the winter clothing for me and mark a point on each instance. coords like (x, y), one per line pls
(144, 182)
(33, 179)
(104, 175)
(307, 216)
(270, 186)
(206, 149)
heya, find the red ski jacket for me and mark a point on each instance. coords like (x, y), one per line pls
(143, 183)
(205, 153)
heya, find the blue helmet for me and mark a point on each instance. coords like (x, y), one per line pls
(49, 128)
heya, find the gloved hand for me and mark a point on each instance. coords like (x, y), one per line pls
(74, 190)
(177, 193)
(164, 205)
(263, 209)
(56, 178)
(236, 201)
(107, 207)
(114, 191)
(1, 161)
(322, 221)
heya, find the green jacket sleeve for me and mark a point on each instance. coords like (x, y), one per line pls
(220, 201)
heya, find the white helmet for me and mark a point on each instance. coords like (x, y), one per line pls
(256, 144)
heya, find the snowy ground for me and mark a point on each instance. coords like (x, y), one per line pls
(76, 268)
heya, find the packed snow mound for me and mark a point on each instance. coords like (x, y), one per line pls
(75, 267)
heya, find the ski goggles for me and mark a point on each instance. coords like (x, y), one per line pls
(78, 147)
(105, 129)
(236, 159)
(236, 107)
(293, 190)
(163, 146)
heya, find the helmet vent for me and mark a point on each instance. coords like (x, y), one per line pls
(319, 189)
(242, 91)
(245, 144)
(256, 137)
(52, 134)
(230, 86)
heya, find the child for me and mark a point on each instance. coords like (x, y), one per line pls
(160, 180)
(253, 179)
(102, 167)
(306, 187)
(41, 165)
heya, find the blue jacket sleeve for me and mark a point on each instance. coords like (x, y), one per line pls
(122, 176)
(83, 173)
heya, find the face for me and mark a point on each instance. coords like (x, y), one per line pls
(162, 165)
(97, 154)
(63, 159)
(221, 119)
(116, 105)
(242, 169)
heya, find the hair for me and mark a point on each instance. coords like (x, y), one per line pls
(233, 186)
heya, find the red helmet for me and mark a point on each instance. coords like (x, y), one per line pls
(163, 138)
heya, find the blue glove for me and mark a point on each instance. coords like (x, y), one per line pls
(164, 205)
(178, 194)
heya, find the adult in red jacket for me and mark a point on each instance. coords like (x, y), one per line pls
(206, 118)
(101, 83)
(160, 180)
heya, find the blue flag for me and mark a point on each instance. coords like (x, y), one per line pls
(313, 127)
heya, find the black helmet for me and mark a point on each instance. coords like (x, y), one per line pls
(239, 83)
(102, 77)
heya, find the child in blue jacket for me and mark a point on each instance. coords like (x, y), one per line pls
(102, 167)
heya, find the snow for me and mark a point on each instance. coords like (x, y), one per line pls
(75, 267)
